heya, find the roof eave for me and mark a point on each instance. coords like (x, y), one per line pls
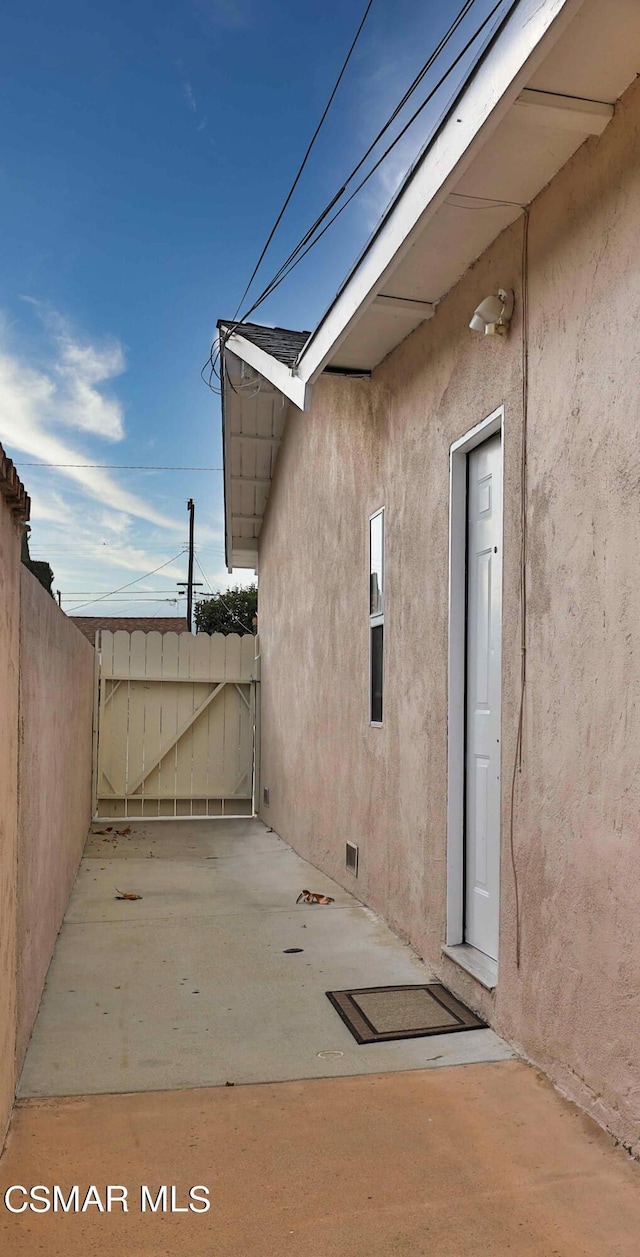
(282, 377)
(507, 61)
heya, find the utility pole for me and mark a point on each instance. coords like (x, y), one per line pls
(191, 507)
(190, 583)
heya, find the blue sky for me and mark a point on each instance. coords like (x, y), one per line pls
(146, 150)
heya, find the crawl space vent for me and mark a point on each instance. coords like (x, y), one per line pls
(351, 858)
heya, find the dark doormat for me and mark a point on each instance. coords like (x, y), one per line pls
(377, 1014)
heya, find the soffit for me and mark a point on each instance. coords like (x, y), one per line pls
(254, 417)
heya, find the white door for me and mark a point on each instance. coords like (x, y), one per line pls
(483, 676)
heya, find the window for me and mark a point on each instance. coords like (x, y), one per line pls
(376, 615)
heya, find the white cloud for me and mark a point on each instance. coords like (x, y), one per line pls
(35, 404)
(189, 96)
(78, 369)
(97, 533)
(81, 368)
(93, 550)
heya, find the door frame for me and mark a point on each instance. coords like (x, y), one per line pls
(456, 722)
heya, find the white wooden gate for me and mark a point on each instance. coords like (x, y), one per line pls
(175, 724)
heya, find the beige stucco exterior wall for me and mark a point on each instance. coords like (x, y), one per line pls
(573, 1005)
(56, 703)
(10, 533)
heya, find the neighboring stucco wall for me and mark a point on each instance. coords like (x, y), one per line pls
(56, 700)
(10, 535)
(573, 1006)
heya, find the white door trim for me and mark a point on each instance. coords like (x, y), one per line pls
(457, 666)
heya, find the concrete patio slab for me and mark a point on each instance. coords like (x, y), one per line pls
(171, 840)
(197, 887)
(486, 1161)
(190, 986)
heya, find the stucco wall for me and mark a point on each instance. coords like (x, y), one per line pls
(573, 1005)
(10, 532)
(56, 701)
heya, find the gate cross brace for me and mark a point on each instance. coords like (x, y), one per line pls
(114, 689)
(178, 734)
(242, 696)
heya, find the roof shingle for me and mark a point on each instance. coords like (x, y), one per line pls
(279, 342)
(89, 624)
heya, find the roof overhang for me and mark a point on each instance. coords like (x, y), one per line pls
(282, 377)
(546, 80)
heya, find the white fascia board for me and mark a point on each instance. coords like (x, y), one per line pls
(529, 33)
(281, 376)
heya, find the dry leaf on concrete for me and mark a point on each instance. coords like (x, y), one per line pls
(312, 896)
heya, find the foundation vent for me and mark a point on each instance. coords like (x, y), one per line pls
(351, 857)
(265, 796)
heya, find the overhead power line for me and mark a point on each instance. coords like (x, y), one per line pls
(209, 582)
(401, 103)
(217, 594)
(120, 466)
(64, 548)
(117, 602)
(84, 593)
(423, 71)
(306, 156)
(313, 235)
(146, 576)
(310, 239)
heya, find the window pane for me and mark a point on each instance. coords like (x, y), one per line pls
(377, 641)
(376, 541)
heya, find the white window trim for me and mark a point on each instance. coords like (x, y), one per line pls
(377, 619)
(457, 668)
